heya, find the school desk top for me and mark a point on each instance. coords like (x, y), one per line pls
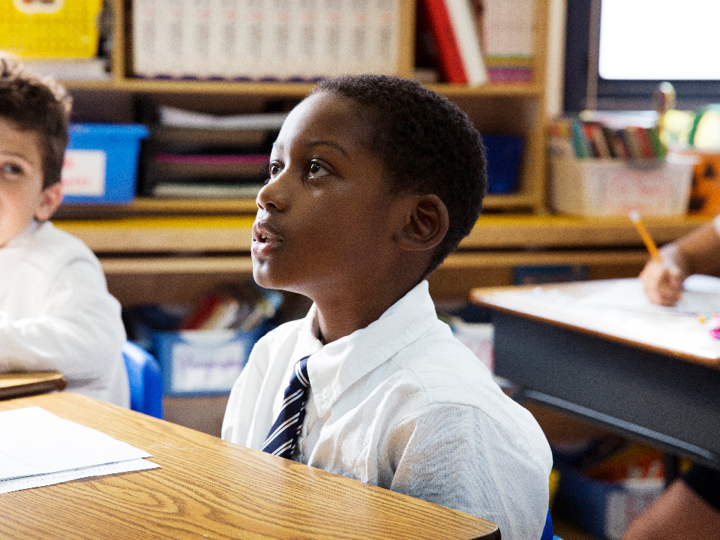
(600, 351)
(209, 488)
(618, 310)
(17, 384)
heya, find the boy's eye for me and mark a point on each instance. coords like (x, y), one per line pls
(274, 169)
(316, 170)
(10, 169)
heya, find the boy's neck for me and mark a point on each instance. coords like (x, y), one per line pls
(341, 317)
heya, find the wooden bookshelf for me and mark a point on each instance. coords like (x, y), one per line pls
(169, 248)
(502, 108)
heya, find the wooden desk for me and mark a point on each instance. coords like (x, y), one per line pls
(651, 386)
(14, 385)
(209, 488)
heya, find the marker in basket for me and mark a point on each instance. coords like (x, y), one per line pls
(645, 235)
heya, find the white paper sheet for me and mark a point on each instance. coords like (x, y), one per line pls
(620, 307)
(50, 479)
(36, 442)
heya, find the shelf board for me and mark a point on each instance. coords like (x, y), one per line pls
(225, 233)
(150, 206)
(509, 201)
(513, 231)
(176, 265)
(490, 89)
(282, 89)
(242, 264)
(496, 259)
(163, 234)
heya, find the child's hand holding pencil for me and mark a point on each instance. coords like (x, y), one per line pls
(662, 278)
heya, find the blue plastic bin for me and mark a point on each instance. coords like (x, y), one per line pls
(202, 362)
(603, 509)
(120, 144)
(504, 155)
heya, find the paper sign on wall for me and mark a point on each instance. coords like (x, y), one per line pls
(83, 173)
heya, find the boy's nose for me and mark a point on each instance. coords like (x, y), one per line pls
(272, 195)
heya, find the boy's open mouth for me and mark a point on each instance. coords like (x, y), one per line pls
(263, 236)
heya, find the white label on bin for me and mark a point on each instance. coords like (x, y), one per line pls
(29, 7)
(83, 173)
(206, 368)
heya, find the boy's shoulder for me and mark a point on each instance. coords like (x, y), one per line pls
(48, 244)
(446, 375)
(443, 365)
(54, 240)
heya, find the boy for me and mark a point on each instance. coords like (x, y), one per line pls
(373, 181)
(55, 310)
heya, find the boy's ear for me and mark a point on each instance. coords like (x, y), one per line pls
(426, 223)
(50, 201)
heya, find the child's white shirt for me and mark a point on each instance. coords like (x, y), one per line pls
(57, 314)
(403, 405)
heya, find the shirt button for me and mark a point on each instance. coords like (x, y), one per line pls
(326, 393)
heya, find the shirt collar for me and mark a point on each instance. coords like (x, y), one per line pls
(335, 367)
(29, 230)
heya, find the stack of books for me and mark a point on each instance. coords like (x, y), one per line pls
(477, 41)
(241, 307)
(208, 156)
(607, 136)
(508, 38)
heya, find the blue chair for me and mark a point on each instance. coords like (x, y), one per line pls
(145, 380)
(547, 533)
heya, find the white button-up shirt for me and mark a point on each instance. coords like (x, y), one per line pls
(57, 314)
(403, 405)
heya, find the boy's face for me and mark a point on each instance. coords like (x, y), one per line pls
(323, 221)
(22, 196)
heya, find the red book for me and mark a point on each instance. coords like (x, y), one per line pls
(646, 143)
(640, 145)
(451, 63)
(594, 134)
(198, 316)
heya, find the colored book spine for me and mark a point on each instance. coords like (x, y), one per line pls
(463, 23)
(658, 147)
(593, 132)
(451, 64)
(633, 143)
(202, 312)
(580, 142)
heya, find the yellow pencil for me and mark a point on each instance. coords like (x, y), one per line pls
(645, 235)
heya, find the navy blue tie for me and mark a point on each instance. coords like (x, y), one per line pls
(283, 436)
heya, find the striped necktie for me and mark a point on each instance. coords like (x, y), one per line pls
(284, 433)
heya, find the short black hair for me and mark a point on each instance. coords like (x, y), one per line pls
(427, 144)
(39, 105)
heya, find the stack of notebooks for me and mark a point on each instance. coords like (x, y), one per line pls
(207, 156)
(608, 136)
(264, 39)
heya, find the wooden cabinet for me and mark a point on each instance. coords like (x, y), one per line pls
(171, 250)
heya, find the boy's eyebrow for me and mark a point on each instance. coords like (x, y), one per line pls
(19, 155)
(336, 146)
(320, 142)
